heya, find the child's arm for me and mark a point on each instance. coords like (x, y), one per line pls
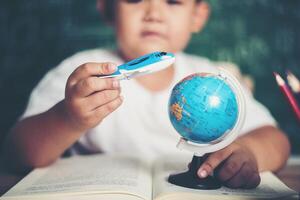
(239, 164)
(39, 140)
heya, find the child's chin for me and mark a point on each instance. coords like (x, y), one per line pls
(145, 49)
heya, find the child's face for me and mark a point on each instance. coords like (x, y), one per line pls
(144, 26)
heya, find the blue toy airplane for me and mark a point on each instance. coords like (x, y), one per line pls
(146, 64)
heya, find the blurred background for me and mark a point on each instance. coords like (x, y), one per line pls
(260, 36)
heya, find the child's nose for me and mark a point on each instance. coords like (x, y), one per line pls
(153, 11)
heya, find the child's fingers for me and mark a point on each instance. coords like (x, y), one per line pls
(104, 110)
(253, 181)
(244, 178)
(230, 167)
(101, 98)
(91, 69)
(213, 161)
(92, 84)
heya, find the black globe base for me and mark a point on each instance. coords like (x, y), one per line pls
(190, 179)
(187, 180)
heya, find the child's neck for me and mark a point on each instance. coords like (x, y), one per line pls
(157, 81)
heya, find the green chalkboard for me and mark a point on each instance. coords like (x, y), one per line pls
(258, 35)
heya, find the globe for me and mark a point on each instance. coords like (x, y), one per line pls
(204, 108)
(207, 110)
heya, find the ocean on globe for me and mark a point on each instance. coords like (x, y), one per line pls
(203, 108)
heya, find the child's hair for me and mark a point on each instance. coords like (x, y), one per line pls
(109, 9)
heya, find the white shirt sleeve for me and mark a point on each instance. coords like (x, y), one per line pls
(50, 90)
(257, 115)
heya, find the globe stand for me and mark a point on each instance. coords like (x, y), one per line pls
(190, 179)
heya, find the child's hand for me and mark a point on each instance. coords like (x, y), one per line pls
(88, 98)
(235, 166)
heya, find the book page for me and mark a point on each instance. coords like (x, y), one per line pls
(270, 186)
(88, 175)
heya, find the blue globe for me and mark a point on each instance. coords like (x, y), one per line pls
(203, 108)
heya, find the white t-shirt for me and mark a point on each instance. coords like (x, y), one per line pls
(141, 125)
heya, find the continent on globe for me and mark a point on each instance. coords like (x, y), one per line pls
(176, 111)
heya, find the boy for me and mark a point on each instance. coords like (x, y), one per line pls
(71, 107)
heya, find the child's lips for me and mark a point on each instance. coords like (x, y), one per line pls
(152, 34)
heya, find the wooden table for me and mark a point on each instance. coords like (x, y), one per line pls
(290, 175)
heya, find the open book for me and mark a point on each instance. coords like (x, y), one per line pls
(112, 177)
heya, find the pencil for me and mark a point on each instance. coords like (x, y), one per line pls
(293, 82)
(288, 94)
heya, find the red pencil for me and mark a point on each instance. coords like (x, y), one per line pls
(288, 94)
